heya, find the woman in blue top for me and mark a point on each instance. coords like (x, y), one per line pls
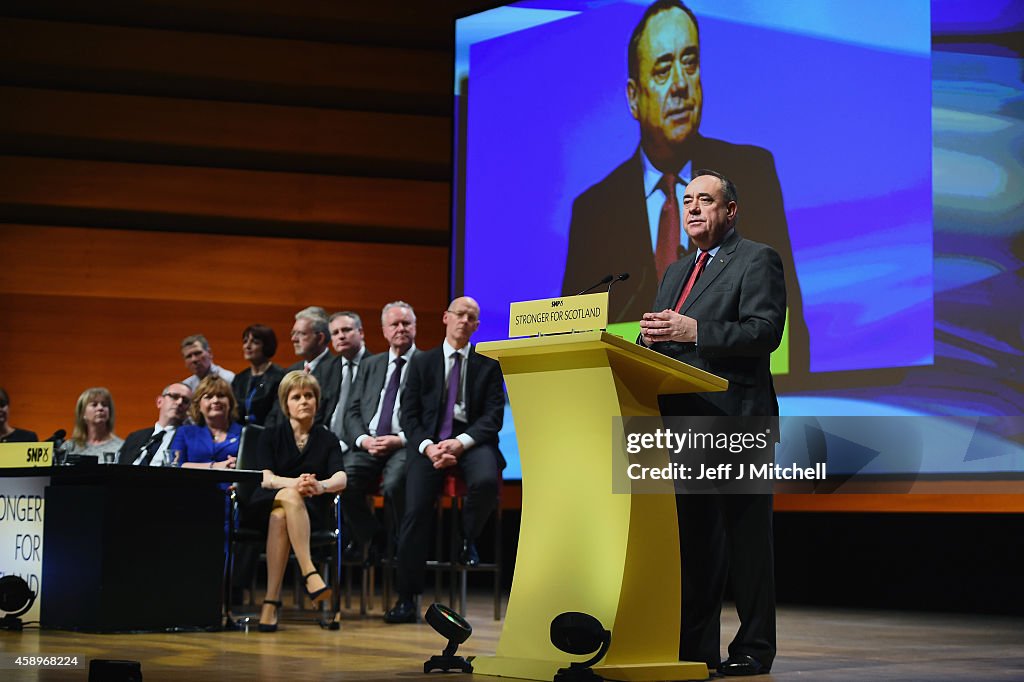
(212, 441)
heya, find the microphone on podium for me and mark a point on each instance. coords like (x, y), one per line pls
(618, 278)
(58, 440)
(604, 280)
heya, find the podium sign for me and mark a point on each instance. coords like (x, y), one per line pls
(18, 455)
(21, 515)
(558, 315)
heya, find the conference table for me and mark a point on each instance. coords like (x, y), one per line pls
(129, 548)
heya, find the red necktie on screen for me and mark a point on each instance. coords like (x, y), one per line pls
(307, 368)
(702, 260)
(666, 251)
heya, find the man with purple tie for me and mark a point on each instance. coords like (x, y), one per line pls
(453, 409)
(376, 437)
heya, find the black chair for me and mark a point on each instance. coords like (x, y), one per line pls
(367, 572)
(326, 545)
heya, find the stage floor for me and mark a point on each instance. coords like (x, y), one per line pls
(833, 645)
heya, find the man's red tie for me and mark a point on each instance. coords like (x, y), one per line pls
(666, 251)
(702, 260)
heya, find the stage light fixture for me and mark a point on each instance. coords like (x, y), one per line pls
(16, 598)
(580, 634)
(456, 630)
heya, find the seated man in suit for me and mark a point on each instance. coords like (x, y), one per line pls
(377, 439)
(454, 408)
(148, 447)
(195, 350)
(310, 337)
(347, 339)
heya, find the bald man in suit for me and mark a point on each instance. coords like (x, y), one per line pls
(453, 411)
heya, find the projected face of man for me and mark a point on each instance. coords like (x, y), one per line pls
(666, 96)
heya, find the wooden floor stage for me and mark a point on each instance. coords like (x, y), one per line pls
(833, 645)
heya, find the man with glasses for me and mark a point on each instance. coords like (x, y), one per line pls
(453, 409)
(148, 447)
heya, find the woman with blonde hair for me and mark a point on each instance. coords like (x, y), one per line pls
(211, 442)
(302, 470)
(94, 425)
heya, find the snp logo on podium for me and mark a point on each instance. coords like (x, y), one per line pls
(558, 315)
(18, 455)
(38, 456)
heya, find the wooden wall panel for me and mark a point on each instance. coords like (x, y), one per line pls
(148, 194)
(223, 67)
(254, 271)
(399, 22)
(993, 502)
(210, 164)
(116, 309)
(224, 134)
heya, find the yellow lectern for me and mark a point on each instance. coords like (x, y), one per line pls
(581, 547)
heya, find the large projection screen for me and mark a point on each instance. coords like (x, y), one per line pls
(894, 129)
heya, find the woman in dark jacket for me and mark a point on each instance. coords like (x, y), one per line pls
(302, 469)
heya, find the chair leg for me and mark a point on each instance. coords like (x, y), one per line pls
(438, 532)
(229, 566)
(364, 581)
(454, 568)
(348, 588)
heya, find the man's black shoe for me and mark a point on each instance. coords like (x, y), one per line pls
(404, 611)
(468, 555)
(741, 666)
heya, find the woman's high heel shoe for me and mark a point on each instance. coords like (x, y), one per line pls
(271, 627)
(323, 594)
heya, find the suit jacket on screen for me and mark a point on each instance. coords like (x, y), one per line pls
(610, 233)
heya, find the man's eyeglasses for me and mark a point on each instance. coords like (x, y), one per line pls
(178, 396)
(468, 314)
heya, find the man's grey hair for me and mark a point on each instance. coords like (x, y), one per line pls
(195, 338)
(728, 188)
(397, 304)
(348, 313)
(318, 316)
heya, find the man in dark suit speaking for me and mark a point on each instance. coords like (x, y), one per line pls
(453, 410)
(630, 221)
(723, 311)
